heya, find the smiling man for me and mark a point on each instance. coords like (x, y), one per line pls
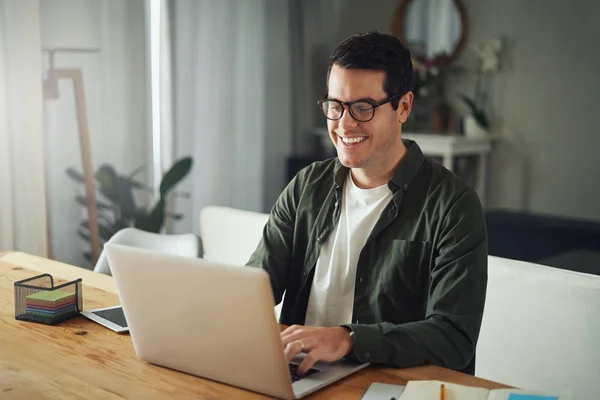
(381, 252)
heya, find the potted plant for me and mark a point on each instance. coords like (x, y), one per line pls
(429, 86)
(476, 122)
(117, 207)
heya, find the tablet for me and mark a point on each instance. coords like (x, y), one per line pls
(110, 317)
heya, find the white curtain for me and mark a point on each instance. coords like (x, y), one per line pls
(6, 204)
(221, 107)
(23, 223)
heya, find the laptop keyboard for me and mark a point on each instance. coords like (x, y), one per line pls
(294, 374)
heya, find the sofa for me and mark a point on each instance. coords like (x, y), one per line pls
(565, 243)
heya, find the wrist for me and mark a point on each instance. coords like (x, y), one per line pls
(349, 340)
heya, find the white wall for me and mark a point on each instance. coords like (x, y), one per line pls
(544, 101)
(115, 89)
(278, 92)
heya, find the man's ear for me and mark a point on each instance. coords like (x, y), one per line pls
(404, 106)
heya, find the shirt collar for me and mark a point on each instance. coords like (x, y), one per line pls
(405, 173)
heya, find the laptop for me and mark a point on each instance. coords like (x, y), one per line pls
(211, 320)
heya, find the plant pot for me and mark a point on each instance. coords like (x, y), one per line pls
(472, 128)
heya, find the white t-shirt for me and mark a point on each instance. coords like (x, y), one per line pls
(331, 298)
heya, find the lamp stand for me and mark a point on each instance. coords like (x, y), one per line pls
(51, 92)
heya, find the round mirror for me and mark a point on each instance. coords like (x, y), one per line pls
(433, 30)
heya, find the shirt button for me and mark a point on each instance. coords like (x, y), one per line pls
(360, 280)
(405, 186)
(319, 239)
(304, 274)
(367, 355)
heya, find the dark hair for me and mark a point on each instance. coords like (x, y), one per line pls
(378, 52)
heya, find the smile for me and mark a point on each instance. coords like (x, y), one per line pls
(352, 140)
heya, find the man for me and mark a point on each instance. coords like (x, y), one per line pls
(381, 253)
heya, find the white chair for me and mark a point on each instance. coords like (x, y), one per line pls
(188, 245)
(230, 235)
(541, 329)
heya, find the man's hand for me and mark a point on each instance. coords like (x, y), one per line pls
(320, 344)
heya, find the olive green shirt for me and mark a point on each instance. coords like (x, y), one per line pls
(421, 277)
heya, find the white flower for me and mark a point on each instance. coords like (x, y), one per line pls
(488, 54)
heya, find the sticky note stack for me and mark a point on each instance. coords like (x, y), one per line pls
(50, 304)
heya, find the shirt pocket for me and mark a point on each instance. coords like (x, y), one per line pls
(403, 268)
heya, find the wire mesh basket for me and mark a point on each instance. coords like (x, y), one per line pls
(38, 300)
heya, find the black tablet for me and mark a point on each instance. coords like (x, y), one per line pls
(111, 317)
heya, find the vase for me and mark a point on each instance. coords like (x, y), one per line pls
(472, 128)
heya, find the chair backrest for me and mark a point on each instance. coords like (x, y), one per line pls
(230, 235)
(187, 245)
(541, 329)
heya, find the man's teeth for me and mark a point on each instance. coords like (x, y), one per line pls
(353, 140)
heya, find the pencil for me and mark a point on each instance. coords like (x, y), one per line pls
(442, 392)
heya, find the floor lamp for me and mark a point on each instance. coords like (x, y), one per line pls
(68, 26)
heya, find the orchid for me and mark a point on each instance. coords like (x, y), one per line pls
(488, 53)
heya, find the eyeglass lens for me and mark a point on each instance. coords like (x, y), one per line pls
(361, 111)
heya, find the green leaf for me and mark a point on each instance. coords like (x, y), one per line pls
(137, 171)
(481, 119)
(154, 221)
(125, 198)
(75, 175)
(138, 185)
(177, 172)
(105, 232)
(176, 217)
(183, 195)
(107, 178)
(101, 205)
(83, 235)
(469, 103)
(477, 113)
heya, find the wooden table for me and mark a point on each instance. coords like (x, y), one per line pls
(80, 359)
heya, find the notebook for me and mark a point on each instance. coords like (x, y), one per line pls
(419, 390)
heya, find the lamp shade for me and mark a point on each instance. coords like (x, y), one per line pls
(70, 25)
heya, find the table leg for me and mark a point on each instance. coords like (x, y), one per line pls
(448, 161)
(481, 177)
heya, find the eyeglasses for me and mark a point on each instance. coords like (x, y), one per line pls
(360, 110)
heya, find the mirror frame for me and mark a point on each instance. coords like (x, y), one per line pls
(399, 24)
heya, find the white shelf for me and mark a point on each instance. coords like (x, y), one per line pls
(448, 147)
(443, 144)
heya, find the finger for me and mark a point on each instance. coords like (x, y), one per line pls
(292, 350)
(309, 361)
(290, 329)
(300, 333)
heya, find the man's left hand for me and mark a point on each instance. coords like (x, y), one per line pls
(320, 344)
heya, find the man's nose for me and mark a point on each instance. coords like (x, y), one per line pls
(347, 120)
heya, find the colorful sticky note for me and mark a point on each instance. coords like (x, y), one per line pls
(522, 396)
(51, 296)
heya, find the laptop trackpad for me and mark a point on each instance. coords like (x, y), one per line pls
(324, 373)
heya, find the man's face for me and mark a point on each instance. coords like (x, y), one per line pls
(365, 144)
